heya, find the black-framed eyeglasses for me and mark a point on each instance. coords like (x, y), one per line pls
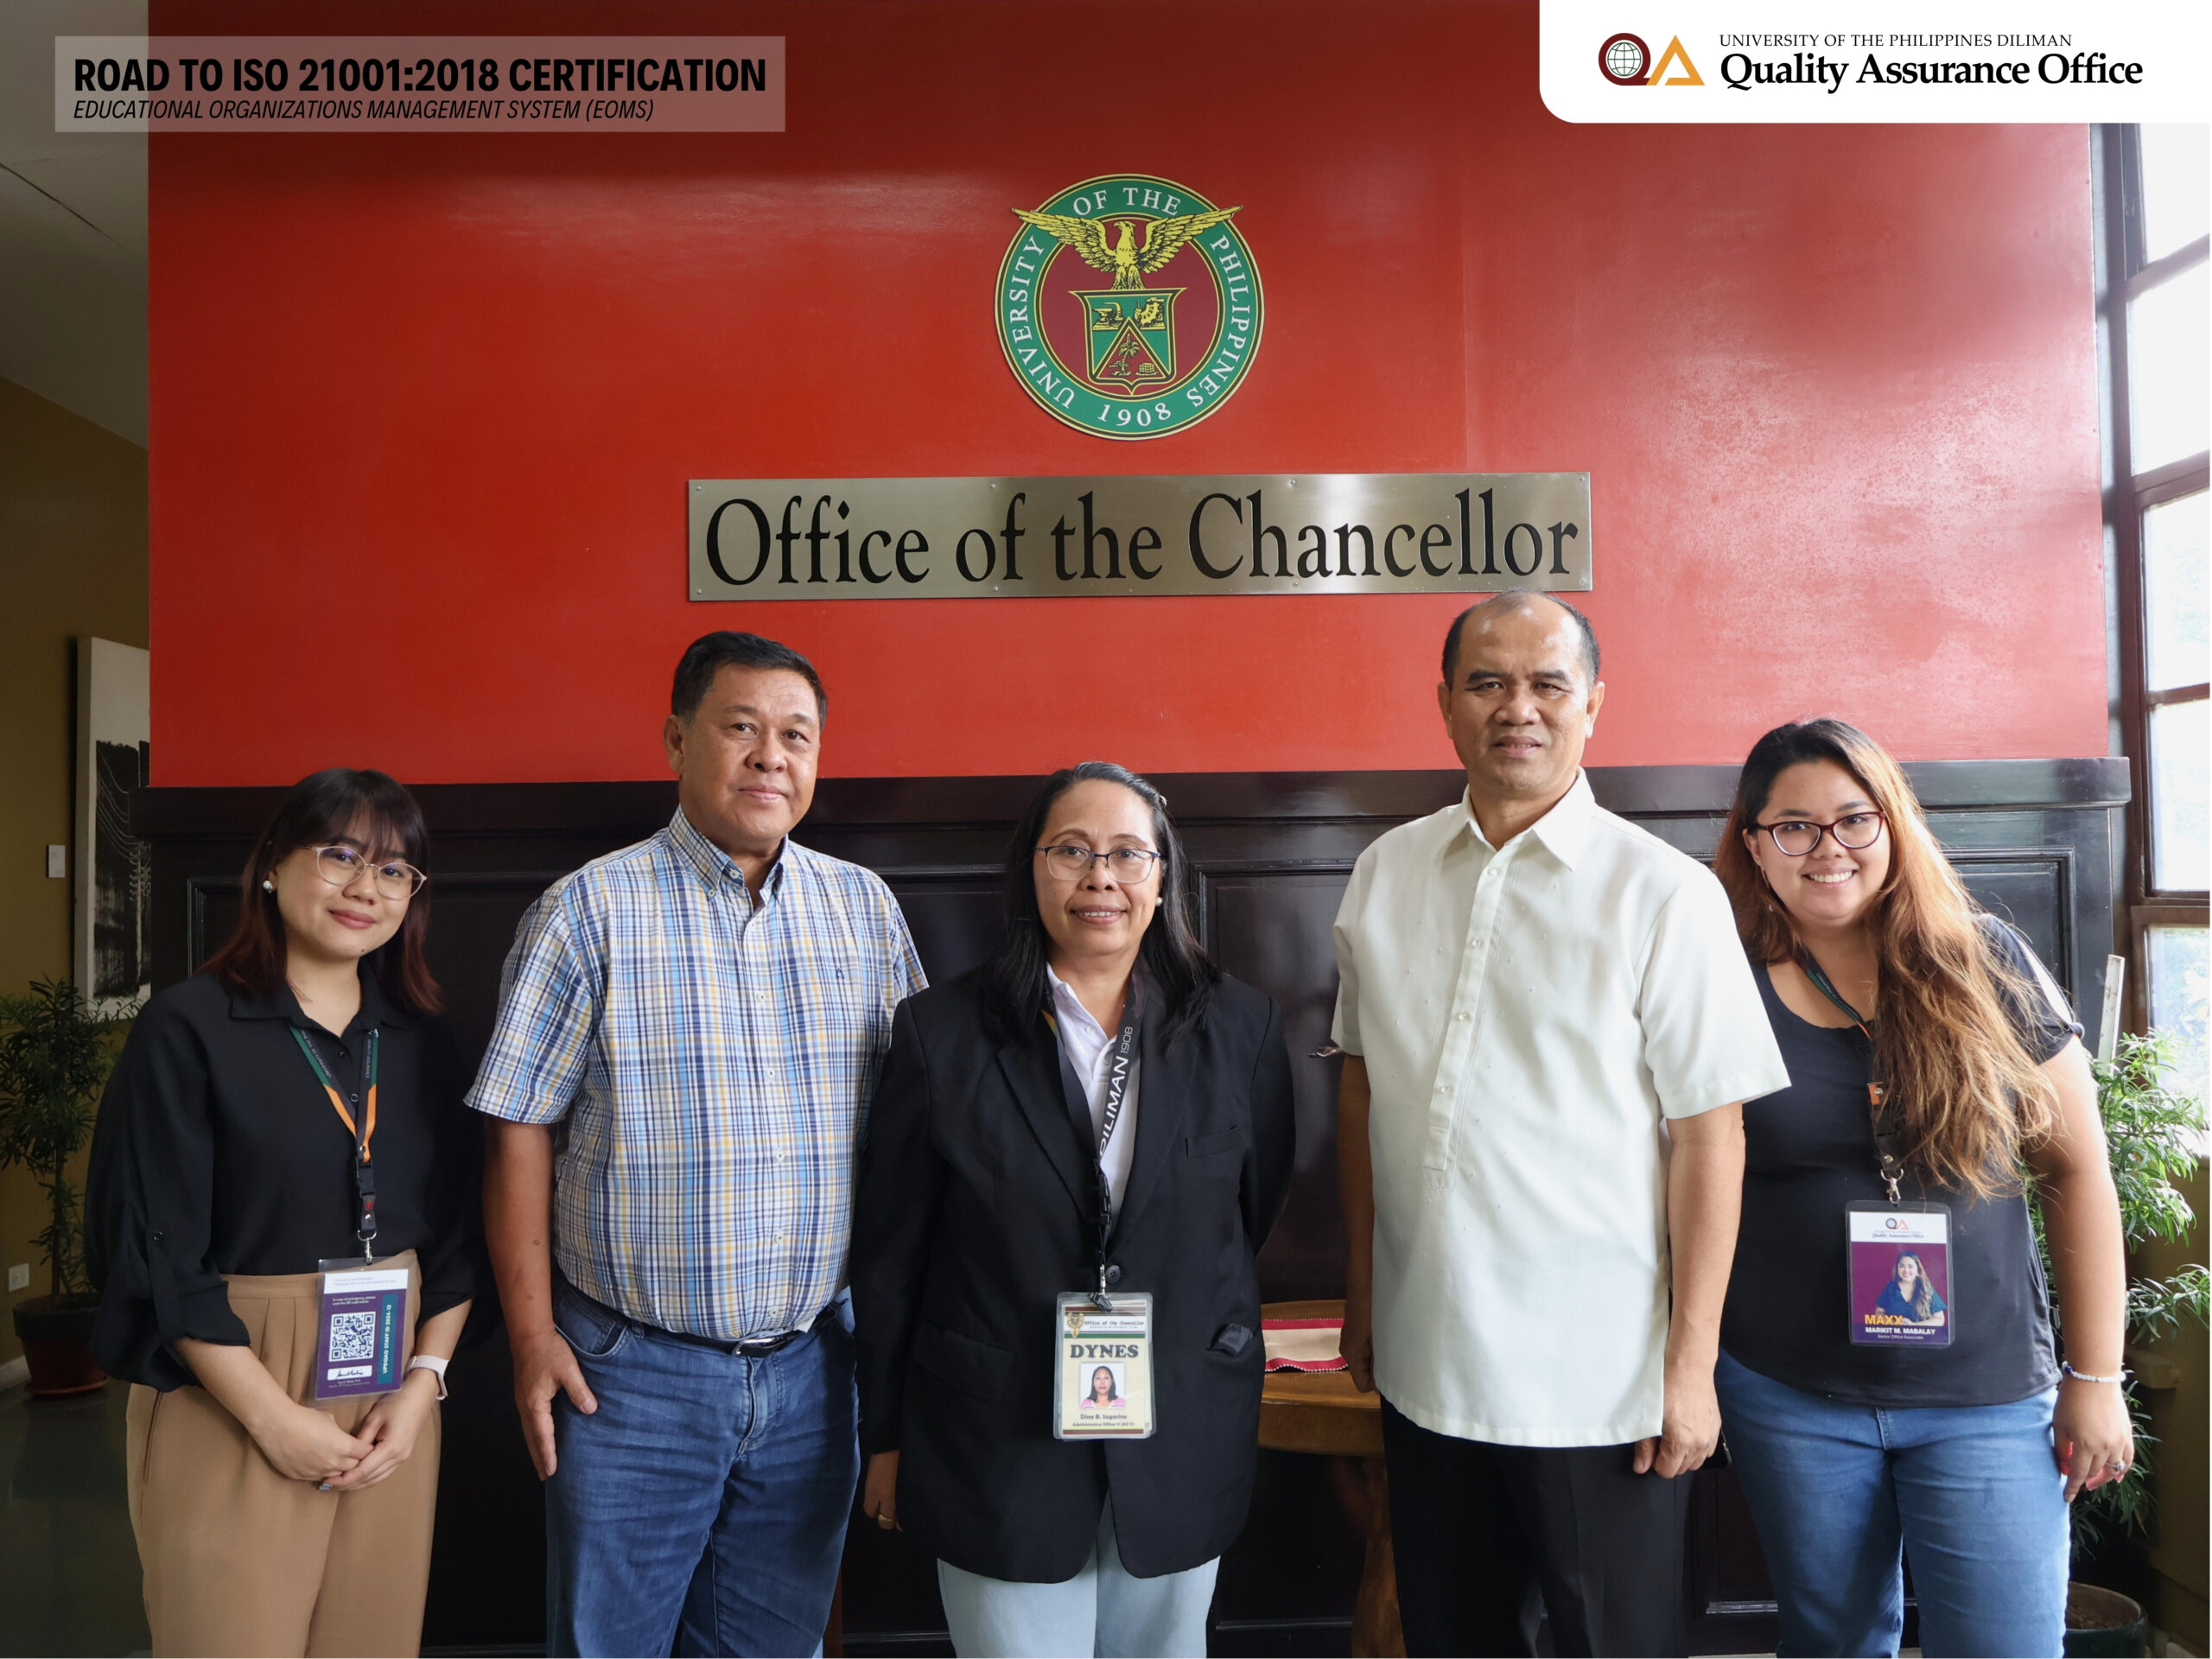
(1128, 864)
(341, 866)
(1798, 837)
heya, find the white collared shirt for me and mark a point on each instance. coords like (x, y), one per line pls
(1530, 1015)
(1090, 1048)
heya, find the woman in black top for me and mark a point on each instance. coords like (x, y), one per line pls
(1887, 1375)
(1097, 1110)
(224, 1178)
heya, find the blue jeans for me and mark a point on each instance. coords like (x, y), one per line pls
(1969, 1492)
(702, 1509)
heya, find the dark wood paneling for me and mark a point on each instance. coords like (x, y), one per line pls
(1269, 925)
(2034, 839)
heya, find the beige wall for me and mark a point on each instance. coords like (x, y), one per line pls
(73, 562)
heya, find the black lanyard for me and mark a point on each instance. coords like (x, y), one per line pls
(1122, 1066)
(1881, 1115)
(363, 1129)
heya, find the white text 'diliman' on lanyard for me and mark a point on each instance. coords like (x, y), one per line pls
(1121, 1067)
(1101, 1369)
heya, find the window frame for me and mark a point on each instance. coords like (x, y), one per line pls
(2123, 274)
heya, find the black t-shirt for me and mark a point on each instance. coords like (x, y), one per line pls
(217, 1151)
(1809, 1152)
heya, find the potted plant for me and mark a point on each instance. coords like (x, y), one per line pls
(54, 1055)
(2151, 1129)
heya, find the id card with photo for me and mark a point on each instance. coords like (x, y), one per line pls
(361, 1331)
(1101, 1372)
(1900, 1275)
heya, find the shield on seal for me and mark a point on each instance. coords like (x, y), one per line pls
(1129, 336)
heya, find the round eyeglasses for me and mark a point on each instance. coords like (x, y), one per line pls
(341, 866)
(1128, 864)
(1797, 837)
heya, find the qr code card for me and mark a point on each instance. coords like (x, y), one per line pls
(364, 1333)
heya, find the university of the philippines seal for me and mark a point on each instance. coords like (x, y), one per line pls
(1129, 306)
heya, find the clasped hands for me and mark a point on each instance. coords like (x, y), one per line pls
(305, 1443)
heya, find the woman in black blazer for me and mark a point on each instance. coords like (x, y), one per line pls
(980, 1205)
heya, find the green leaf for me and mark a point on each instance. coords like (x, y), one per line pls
(2152, 1132)
(55, 1054)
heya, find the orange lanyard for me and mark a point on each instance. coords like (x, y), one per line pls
(365, 1180)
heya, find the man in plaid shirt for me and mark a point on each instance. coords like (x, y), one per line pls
(689, 1031)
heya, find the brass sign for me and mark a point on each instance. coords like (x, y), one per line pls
(1031, 538)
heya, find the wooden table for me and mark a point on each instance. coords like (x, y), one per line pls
(1321, 1413)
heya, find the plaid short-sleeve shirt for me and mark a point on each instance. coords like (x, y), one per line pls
(710, 1053)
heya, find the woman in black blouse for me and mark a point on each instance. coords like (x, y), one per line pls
(294, 1106)
(1873, 1409)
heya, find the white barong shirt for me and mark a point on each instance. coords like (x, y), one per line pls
(1531, 1016)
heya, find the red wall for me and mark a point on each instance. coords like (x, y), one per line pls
(424, 407)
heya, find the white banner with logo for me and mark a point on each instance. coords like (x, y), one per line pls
(1701, 61)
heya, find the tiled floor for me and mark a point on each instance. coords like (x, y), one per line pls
(68, 1569)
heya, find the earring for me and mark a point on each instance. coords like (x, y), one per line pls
(267, 886)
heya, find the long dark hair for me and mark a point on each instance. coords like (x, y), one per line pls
(1179, 969)
(1923, 1292)
(1971, 1096)
(326, 806)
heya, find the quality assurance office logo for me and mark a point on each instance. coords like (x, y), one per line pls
(1626, 61)
(1129, 305)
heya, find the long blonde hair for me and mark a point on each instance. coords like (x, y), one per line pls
(1969, 1096)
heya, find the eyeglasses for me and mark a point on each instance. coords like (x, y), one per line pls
(341, 866)
(1798, 837)
(1129, 864)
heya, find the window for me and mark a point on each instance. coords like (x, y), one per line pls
(2153, 302)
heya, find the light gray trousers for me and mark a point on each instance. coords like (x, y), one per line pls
(1101, 1613)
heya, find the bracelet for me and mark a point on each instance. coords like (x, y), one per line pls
(2083, 1377)
(433, 1365)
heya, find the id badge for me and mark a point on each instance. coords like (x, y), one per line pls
(1900, 1275)
(361, 1331)
(1102, 1374)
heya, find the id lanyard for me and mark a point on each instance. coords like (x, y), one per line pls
(1879, 1238)
(1095, 1334)
(1121, 1069)
(363, 1130)
(1889, 1145)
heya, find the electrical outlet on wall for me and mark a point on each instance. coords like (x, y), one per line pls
(57, 861)
(19, 1276)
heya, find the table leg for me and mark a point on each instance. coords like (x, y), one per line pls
(1375, 1633)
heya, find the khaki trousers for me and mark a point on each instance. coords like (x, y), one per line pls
(238, 1558)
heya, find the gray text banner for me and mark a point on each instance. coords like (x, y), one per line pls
(800, 538)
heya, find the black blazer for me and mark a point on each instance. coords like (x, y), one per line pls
(978, 1205)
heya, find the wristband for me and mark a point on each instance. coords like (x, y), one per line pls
(433, 1365)
(2083, 1377)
